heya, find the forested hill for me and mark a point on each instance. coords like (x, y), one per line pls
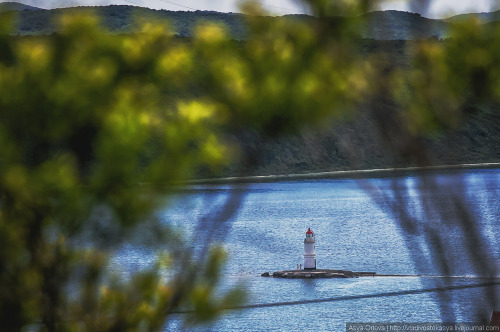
(393, 25)
(386, 25)
(355, 144)
(7, 6)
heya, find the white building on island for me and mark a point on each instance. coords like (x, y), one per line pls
(309, 251)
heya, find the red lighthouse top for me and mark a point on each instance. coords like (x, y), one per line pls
(309, 231)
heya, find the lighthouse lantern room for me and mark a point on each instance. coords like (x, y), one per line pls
(309, 251)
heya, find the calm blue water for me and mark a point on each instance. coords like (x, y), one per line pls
(435, 224)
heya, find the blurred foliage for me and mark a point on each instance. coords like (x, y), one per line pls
(86, 116)
(452, 78)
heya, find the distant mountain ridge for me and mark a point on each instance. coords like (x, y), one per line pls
(381, 25)
(397, 25)
(483, 17)
(15, 6)
(123, 19)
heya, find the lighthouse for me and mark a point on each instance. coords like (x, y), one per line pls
(309, 251)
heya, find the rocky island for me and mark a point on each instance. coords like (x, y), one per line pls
(310, 271)
(317, 273)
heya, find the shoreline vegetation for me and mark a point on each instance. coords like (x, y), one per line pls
(364, 173)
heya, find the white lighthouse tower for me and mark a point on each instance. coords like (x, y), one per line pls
(309, 251)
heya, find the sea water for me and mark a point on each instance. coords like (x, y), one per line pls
(430, 224)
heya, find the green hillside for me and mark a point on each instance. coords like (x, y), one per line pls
(358, 144)
(381, 25)
(483, 17)
(355, 143)
(119, 19)
(8, 6)
(389, 25)
(393, 25)
(361, 142)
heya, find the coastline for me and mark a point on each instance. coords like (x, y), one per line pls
(363, 173)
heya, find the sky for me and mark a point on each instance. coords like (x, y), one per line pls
(436, 8)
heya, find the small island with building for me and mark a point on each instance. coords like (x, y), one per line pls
(310, 270)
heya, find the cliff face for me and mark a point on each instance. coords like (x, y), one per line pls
(357, 144)
(370, 135)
